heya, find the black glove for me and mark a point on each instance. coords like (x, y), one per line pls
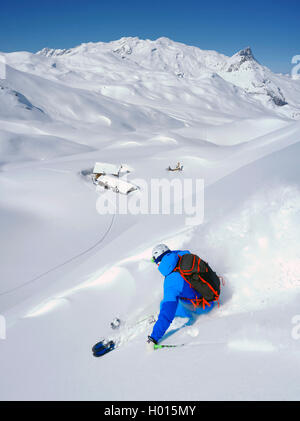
(150, 339)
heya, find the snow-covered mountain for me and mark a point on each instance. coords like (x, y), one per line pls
(164, 55)
(66, 270)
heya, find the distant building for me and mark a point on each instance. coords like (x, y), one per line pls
(104, 168)
(116, 184)
(107, 176)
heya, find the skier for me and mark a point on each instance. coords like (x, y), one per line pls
(190, 289)
(180, 298)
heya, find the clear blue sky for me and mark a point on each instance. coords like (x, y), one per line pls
(270, 27)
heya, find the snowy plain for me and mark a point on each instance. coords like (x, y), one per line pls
(66, 270)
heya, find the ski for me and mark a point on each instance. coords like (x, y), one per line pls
(102, 348)
(116, 323)
(127, 333)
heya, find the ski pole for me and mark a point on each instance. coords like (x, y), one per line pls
(156, 346)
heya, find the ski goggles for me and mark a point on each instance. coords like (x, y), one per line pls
(158, 260)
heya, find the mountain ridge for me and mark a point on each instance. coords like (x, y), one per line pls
(184, 61)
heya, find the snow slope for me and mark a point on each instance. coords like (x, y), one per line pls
(66, 271)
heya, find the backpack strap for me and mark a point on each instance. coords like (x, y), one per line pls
(197, 302)
(178, 269)
(214, 291)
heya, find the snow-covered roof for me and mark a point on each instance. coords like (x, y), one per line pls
(106, 168)
(116, 183)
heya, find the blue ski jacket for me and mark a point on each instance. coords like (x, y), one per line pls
(175, 287)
